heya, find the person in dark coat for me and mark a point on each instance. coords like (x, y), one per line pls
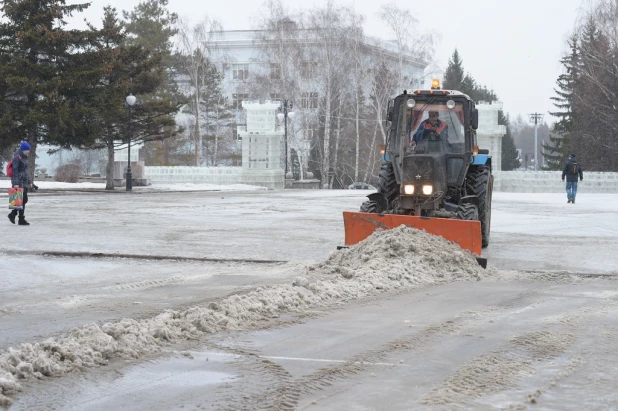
(572, 169)
(21, 179)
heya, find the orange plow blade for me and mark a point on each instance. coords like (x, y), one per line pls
(467, 234)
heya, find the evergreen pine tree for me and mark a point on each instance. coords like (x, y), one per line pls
(454, 74)
(128, 68)
(468, 85)
(586, 97)
(482, 93)
(477, 92)
(151, 25)
(556, 152)
(454, 79)
(510, 160)
(595, 134)
(41, 73)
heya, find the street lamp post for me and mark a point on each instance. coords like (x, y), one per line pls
(283, 117)
(130, 102)
(535, 118)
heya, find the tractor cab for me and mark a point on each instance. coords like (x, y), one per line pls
(420, 118)
(431, 142)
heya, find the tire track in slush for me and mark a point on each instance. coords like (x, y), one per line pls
(484, 375)
(264, 374)
(462, 324)
(280, 391)
(500, 369)
(519, 358)
(146, 284)
(588, 356)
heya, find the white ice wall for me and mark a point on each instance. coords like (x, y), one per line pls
(550, 182)
(122, 154)
(215, 175)
(262, 143)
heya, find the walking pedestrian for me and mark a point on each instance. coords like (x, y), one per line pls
(21, 179)
(572, 169)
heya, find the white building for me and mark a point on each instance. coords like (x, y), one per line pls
(240, 55)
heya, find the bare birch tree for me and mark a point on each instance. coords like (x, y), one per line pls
(339, 80)
(279, 61)
(359, 75)
(410, 39)
(195, 49)
(330, 27)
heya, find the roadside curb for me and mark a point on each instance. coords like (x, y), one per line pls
(72, 191)
(88, 254)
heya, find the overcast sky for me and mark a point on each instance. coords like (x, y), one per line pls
(513, 47)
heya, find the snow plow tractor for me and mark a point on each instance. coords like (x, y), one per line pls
(433, 176)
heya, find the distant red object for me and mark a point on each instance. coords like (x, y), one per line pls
(9, 168)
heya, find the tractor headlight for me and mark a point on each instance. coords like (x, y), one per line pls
(450, 104)
(411, 102)
(408, 189)
(427, 190)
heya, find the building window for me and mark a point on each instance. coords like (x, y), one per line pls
(240, 71)
(275, 96)
(275, 71)
(308, 69)
(237, 99)
(309, 100)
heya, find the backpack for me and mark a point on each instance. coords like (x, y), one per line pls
(9, 168)
(573, 169)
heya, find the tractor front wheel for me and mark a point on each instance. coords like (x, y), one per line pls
(468, 211)
(369, 207)
(388, 187)
(387, 184)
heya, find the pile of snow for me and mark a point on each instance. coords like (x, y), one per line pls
(402, 258)
(405, 256)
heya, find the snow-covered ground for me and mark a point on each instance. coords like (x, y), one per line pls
(46, 296)
(55, 185)
(542, 231)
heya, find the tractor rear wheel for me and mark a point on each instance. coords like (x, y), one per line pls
(479, 183)
(387, 184)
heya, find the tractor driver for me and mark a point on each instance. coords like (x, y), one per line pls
(432, 125)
